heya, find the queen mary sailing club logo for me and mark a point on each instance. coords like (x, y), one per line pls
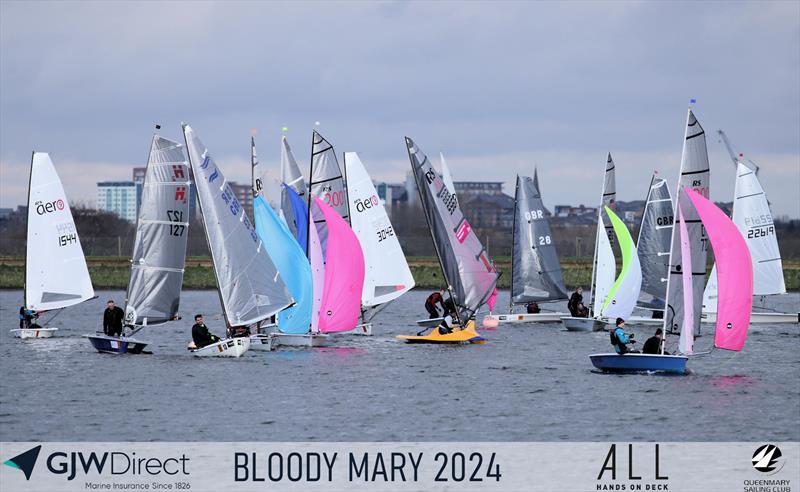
(25, 461)
(768, 459)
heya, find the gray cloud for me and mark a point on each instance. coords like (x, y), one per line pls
(496, 86)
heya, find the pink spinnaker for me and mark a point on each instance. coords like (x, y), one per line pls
(734, 274)
(344, 275)
(686, 342)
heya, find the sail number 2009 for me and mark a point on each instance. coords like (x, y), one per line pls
(456, 467)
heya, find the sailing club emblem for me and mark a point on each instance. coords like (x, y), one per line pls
(180, 194)
(463, 231)
(177, 172)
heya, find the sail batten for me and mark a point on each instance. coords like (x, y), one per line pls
(250, 287)
(56, 275)
(470, 274)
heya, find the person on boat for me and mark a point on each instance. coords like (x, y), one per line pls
(533, 308)
(619, 339)
(200, 334)
(575, 301)
(582, 311)
(112, 319)
(238, 331)
(26, 317)
(653, 344)
(433, 299)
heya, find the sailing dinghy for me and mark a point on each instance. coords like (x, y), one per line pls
(603, 264)
(250, 288)
(292, 179)
(56, 275)
(470, 275)
(159, 250)
(535, 268)
(752, 216)
(386, 272)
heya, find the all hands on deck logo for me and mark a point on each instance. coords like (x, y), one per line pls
(768, 459)
(25, 461)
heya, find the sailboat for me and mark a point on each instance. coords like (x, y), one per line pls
(159, 250)
(752, 216)
(603, 264)
(386, 272)
(292, 178)
(697, 216)
(470, 275)
(250, 288)
(535, 268)
(56, 275)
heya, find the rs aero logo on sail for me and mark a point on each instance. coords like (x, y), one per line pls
(362, 205)
(43, 208)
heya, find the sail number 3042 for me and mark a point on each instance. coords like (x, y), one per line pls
(457, 467)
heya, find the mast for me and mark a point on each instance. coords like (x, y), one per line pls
(433, 236)
(597, 242)
(205, 232)
(346, 187)
(253, 164)
(513, 246)
(310, 178)
(27, 213)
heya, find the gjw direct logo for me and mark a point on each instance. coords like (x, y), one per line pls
(768, 459)
(25, 461)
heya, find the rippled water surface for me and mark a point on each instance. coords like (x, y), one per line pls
(529, 383)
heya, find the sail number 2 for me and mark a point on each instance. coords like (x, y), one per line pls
(178, 228)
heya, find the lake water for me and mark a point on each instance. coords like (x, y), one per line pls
(528, 383)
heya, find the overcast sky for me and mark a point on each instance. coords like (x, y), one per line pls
(498, 87)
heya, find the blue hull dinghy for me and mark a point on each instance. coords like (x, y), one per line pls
(116, 345)
(637, 363)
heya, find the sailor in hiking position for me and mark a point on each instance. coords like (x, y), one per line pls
(112, 319)
(620, 340)
(200, 334)
(432, 300)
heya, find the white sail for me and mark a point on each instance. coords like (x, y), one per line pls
(56, 275)
(447, 177)
(605, 269)
(250, 287)
(387, 275)
(317, 273)
(695, 175)
(752, 216)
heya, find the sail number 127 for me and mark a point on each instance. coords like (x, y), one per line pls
(178, 228)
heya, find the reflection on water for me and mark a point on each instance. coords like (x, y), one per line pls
(530, 382)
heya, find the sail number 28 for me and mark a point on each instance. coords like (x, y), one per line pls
(178, 228)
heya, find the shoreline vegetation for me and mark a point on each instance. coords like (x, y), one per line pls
(111, 272)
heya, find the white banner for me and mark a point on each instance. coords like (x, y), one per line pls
(258, 466)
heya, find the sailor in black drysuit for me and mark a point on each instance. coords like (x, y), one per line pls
(112, 320)
(432, 300)
(200, 335)
(26, 318)
(575, 304)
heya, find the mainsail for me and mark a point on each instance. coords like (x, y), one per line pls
(752, 216)
(344, 274)
(250, 287)
(326, 182)
(447, 177)
(735, 270)
(535, 269)
(162, 231)
(603, 263)
(291, 177)
(387, 275)
(622, 297)
(258, 173)
(694, 175)
(292, 265)
(470, 274)
(298, 215)
(56, 275)
(655, 235)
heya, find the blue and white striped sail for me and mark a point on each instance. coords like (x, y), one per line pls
(292, 264)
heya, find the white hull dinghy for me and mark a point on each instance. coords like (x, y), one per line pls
(535, 268)
(262, 341)
(34, 332)
(759, 318)
(56, 275)
(250, 288)
(229, 347)
(300, 340)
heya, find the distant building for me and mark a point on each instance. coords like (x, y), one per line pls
(572, 211)
(392, 194)
(495, 211)
(118, 197)
(138, 180)
(464, 188)
(6, 212)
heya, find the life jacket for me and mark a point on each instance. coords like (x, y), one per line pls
(614, 337)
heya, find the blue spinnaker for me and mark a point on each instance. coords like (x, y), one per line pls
(299, 214)
(292, 264)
